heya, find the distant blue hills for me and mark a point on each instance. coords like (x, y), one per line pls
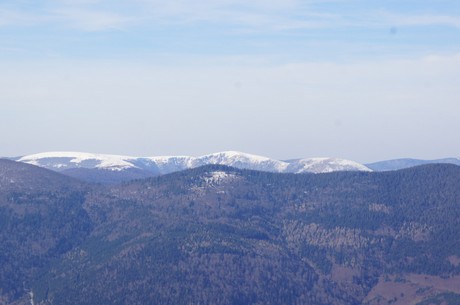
(396, 164)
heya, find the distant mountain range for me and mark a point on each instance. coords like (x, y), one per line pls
(397, 164)
(113, 168)
(106, 168)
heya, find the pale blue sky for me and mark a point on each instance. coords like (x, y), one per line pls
(358, 79)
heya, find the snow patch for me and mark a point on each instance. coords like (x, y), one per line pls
(218, 177)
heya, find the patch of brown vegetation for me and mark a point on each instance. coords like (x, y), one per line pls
(450, 284)
(409, 289)
(343, 274)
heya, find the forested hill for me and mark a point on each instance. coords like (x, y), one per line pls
(219, 235)
(41, 218)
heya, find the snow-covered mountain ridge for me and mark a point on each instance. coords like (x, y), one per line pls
(158, 165)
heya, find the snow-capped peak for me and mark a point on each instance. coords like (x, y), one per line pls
(325, 165)
(156, 165)
(67, 160)
(243, 160)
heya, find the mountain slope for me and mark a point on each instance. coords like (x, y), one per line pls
(324, 165)
(242, 161)
(113, 168)
(220, 235)
(41, 217)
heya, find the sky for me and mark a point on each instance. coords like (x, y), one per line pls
(358, 79)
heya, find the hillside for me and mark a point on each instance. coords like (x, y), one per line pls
(220, 235)
(41, 218)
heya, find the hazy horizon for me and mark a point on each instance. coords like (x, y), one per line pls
(262, 155)
(353, 79)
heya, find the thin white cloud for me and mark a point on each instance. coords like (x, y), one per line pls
(258, 15)
(425, 20)
(90, 20)
(102, 15)
(281, 15)
(74, 16)
(9, 17)
(269, 15)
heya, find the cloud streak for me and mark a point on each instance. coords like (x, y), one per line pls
(10, 17)
(90, 20)
(423, 20)
(104, 15)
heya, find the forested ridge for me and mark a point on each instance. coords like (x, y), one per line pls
(218, 235)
